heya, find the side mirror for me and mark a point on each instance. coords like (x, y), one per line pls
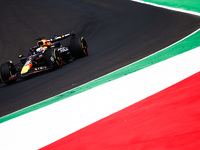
(20, 56)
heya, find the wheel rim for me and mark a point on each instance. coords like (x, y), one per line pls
(84, 46)
(58, 58)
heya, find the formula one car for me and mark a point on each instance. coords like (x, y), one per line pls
(48, 54)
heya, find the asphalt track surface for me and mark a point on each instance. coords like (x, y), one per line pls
(118, 32)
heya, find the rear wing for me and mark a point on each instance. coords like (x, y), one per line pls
(61, 37)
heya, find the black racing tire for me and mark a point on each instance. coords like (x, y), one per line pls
(7, 71)
(78, 47)
(53, 58)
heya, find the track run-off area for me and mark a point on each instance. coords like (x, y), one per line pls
(151, 103)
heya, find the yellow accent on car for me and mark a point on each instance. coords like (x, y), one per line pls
(82, 45)
(20, 56)
(10, 73)
(55, 57)
(85, 52)
(26, 68)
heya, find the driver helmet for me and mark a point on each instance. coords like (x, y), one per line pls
(43, 42)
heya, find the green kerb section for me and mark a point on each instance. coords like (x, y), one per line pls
(190, 5)
(184, 45)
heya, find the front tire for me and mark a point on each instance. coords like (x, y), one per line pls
(8, 72)
(78, 47)
(53, 58)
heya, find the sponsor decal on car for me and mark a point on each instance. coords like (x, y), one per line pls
(40, 68)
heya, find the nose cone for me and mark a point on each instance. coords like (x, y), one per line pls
(26, 68)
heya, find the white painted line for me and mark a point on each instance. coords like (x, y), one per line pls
(167, 7)
(44, 126)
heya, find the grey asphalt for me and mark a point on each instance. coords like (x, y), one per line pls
(118, 32)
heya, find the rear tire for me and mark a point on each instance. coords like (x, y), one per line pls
(78, 47)
(7, 71)
(53, 58)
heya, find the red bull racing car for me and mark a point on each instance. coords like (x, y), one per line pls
(48, 54)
